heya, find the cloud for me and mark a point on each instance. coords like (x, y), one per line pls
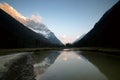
(36, 18)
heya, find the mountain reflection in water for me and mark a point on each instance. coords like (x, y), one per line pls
(66, 65)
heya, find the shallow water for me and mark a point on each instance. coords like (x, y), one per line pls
(75, 65)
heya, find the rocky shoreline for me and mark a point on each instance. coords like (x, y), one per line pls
(17, 67)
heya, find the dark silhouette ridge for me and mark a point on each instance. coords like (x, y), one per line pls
(32, 24)
(14, 34)
(106, 32)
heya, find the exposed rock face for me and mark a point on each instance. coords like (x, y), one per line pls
(106, 32)
(16, 67)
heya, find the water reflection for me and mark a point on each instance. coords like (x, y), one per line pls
(107, 64)
(42, 60)
(67, 65)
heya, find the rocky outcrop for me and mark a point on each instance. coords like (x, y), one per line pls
(16, 67)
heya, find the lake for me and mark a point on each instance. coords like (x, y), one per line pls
(68, 64)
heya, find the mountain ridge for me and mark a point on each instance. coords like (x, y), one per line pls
(16, 35)
(105, 32)
(37, 27)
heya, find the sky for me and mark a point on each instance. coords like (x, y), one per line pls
(68, 19)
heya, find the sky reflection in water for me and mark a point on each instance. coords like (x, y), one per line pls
(68, 65)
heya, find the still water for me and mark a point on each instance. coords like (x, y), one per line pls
(75, 65)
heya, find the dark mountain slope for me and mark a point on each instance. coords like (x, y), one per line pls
(13, 34)
(106, 32)
(40, 28)
(31, 23)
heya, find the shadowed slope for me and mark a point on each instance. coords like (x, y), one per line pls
(106, 32)
(13, 34)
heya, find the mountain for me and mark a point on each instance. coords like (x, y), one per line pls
(77, 40)
(106, 32)
(13, 34)
(12, 12)
(40, 28)
(32, 24)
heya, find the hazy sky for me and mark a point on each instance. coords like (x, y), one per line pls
(68, 19)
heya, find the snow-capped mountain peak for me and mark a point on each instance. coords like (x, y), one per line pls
(34, 23)
(38, 28)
